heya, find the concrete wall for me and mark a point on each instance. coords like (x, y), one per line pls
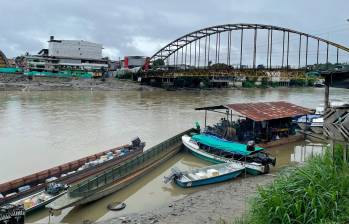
(75, 49)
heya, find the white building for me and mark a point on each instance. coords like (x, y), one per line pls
(68, 56)
(74, 49)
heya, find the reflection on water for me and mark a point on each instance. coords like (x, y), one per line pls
(297, 152)
(148, 192)
(42, 129)
(302, 153)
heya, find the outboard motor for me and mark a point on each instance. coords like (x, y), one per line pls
(260, 157)
(175, 173)
(264, 158)
(137, 143)
(250, 146)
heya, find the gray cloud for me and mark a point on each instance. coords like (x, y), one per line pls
(141, 27)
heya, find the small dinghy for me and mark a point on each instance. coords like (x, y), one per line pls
(206, 175)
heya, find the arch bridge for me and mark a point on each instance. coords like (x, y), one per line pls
(233, 50)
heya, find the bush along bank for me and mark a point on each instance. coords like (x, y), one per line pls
(317, 192)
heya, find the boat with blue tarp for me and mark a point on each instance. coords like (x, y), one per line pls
(225, 145)
(232, 150)
(219, 156)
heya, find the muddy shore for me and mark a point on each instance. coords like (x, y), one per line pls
(20, 83)
(226, 201)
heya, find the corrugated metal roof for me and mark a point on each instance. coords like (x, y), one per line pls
(268, 110)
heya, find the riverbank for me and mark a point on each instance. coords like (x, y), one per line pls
(52, 84)
(225, 201)
(22, 83)
(316, 192)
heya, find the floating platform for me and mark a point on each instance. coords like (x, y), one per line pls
(282, 141)
(314, 136)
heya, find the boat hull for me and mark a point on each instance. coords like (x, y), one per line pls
(251, 168)
(128, 172)
(43, 204)
(212, 180)
(303, 126)
(317, 129)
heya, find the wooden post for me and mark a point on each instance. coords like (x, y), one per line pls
(253, 130)
(205, 117)
(332, 148)
(345, 152)
(327, 91)
(267, 130)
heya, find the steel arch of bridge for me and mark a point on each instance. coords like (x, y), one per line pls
(3, 60)
(180, 43)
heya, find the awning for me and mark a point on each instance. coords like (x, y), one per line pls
(263, 111)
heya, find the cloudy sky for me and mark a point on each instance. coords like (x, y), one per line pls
(140, 27)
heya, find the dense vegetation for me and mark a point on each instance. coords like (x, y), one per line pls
(317, 192)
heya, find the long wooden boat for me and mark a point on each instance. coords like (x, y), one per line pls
(251, 167)
(118, 177)
(67, 173)
(231, 149)
(207, 175)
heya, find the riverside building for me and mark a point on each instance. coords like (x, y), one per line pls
(68, 55)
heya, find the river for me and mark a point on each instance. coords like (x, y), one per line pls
(39, 130)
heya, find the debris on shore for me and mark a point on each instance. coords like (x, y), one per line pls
(223, 201)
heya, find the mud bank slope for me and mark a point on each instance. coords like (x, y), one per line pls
(65, 84)
(224, 201)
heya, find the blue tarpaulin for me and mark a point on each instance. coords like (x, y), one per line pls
(222, 144)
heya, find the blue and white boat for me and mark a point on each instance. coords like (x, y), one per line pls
(253, 168)
(206, 175)
(305, 121)
(317, 125)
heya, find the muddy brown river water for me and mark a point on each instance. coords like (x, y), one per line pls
(39, 130)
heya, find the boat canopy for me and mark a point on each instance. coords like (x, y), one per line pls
(222, 144)
(262, 111)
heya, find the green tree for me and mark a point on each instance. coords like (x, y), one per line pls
(158, 62)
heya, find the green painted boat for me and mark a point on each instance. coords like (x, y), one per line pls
(252, 168)
(222, 144)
